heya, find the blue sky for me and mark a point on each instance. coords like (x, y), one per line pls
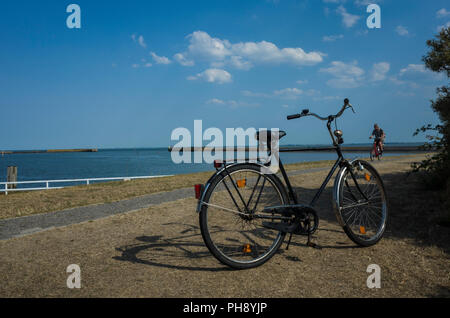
(136, 70)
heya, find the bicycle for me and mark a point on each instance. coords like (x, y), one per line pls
(376, 151)
(245, 214)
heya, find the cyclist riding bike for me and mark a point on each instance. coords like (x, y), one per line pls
(379, 136)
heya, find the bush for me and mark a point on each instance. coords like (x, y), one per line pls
(437, 167)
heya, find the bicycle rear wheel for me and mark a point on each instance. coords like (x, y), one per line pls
(232, 215)
(361, 203)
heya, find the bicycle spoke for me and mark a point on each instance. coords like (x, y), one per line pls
(253, 191)
(259, 196)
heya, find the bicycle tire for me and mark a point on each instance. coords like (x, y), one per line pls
(227, 234)
(354, 211)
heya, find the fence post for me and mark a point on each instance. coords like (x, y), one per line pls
(12, 176)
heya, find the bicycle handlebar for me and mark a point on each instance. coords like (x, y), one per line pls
(294, 116)
(306, 112)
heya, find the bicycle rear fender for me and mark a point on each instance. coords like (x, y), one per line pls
(208, 183)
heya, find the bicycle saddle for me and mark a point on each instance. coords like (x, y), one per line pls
(267, 135)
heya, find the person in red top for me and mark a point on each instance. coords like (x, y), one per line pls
(379, 136)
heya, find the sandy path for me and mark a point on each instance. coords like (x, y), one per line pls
(159, 252)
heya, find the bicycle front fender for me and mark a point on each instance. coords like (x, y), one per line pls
(336, 190)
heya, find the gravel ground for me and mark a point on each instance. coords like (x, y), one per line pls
(158, 252)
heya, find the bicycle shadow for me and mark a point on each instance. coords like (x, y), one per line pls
(185, 251)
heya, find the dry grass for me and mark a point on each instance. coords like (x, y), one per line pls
(26, 203)
(159, 252)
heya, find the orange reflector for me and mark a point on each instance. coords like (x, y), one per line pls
(362, 230)
(247, 248)
(367, 176)
(241, 183)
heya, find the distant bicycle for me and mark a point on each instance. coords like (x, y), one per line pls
(376, 151)
(245, 214)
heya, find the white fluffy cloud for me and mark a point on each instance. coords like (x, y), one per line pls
(348, 19)
(213, 75)
(350, 75)
(139, 39)
(243, 55)
(443, 13)
(288, 93)
(413, 68)
(332, 38)
(231, 103)
(346, 75)
(401, 30)
(160, 59)
(180, 58)
(359, 3)
(379, 71)
(215, 101)
(414, 73)
(365, 3)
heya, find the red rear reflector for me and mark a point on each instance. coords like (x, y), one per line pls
(198, 190)
(218, 164)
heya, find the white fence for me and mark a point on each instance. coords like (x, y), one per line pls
(4, 185)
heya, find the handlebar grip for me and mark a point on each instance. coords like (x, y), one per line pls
(293, 116)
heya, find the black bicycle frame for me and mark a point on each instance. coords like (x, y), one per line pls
(339, 163)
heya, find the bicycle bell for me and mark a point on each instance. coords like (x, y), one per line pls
(338, 133)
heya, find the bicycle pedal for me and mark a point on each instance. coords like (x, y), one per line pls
(282, 227)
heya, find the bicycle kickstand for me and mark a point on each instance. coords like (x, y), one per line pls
(289, 242)
(310, 243)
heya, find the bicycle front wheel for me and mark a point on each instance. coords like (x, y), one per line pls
(361, 203)
(232, 215)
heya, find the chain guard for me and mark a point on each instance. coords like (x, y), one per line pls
(302, 216)
(309, 223)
